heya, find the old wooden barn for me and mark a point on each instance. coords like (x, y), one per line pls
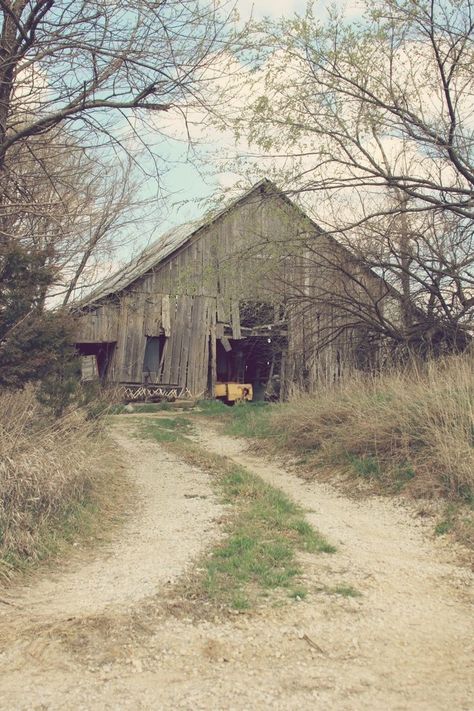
(225, 298)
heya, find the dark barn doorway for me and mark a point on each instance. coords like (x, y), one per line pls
(103, 353)
(152, 359)
(255, 360)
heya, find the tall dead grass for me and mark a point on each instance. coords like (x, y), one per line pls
(409, 429)
(46, 470)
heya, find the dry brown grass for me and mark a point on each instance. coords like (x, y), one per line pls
(47, 472)
(411, 429)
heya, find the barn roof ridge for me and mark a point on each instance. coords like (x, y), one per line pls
(167, 244)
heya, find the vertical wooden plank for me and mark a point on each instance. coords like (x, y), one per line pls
(209, 316)
(189, 269)
(235, 314)
(137, 335)
(171, 350)
(179, 326)
(161, 279)
(207, 268)
(120, 348)
(107, 322)
(222, 312)
(193, 363)
(199, 355)
(113, 322)
(198, 362)
(200, 264)
(174, 276)
(130, 341)
(139, 355)
(192, 347)
(186, 341)
(165, 314)
(152, 315)
(146, 285)
(213, 354)
(112, 374)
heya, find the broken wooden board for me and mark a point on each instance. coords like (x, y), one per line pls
(226, 343)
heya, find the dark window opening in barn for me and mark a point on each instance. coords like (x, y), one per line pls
(255, 360)
(151, 360)
(103, 354)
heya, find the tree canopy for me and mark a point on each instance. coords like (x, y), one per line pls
(371, 122)
(81, 83)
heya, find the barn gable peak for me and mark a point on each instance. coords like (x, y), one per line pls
(172, 240)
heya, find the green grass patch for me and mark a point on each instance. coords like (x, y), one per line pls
(77, 521)
(245, 419)
(250, 420)
(367, 467)
(264, 532)
(260, 550)
(444, 526)
(402, 475)
(448, 521)
(392, 481)
(165, 429)
(214, 408)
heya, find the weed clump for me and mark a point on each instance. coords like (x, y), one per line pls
(47, 470)
(409, 429)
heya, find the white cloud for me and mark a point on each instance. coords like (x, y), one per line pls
(268, 8)
(279, 8)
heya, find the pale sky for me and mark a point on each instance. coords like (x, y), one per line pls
(277, 8)
(272, 8)
(189, 183)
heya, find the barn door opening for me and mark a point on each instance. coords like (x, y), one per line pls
(96, 359)
(255, 360)
(152, 359)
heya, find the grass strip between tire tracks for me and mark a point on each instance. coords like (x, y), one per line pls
(264, 529)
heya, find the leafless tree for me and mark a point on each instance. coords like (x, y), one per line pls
(370, 123)
(73, 211)
(79, 85)
(83, 85)
(93, 65)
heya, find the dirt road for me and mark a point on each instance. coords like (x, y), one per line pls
(96, 635)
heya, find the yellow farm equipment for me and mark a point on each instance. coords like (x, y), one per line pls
(231, 393)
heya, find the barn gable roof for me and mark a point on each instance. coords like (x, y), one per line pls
(168, 243)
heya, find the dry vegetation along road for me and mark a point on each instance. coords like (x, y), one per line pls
(108, 631)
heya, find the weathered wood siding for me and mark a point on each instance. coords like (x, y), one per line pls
(184, 320)
(191, 297)
(99, 324)
(327, 321)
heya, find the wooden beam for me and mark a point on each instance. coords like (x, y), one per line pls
(213, 357)
(235, 313)
(165, 314)
(222, 311)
